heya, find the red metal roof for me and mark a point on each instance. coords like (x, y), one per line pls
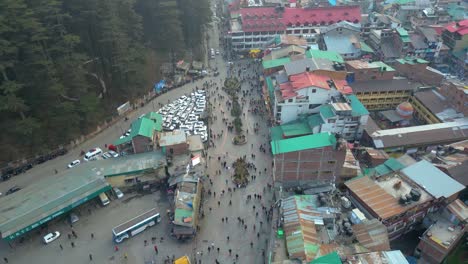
(267, 19)
(308, 79)
(460, 27)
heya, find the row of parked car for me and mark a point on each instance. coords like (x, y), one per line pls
(94, 154)
(184, 114)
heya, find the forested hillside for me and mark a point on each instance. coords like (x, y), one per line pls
(67, 64)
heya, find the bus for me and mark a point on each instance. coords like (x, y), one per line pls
(136, 225)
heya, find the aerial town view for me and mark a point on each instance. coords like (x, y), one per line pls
(234, 132)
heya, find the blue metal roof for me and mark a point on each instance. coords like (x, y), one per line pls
(433, 180)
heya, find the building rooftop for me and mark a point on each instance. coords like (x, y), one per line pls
(357, 108)
(325, 54)
(372, 234)
(172, 138)
(300, 66)
(442, 232)
(459, 209)
(460, 27)
(382, 196)
(49, 198)
(387, 257)
(268, 64)
(332, 258)
(396, 84)
(284, 52)
(433, 180)
(326, 111)
(438, 105)
(267, 19)
(434, 134)
(310, 79)
(360, 64)
(303, 143)
(145, 126)
(418, 42)
(343, 43)
(186, 199)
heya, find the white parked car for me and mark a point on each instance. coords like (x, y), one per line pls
(113, 153)
(118, 193)
(51, 237)
(74, 163)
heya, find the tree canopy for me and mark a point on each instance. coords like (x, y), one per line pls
(66, 65)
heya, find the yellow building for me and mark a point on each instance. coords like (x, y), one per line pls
(431, 107)
(384, 94)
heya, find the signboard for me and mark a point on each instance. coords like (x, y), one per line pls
(159, 86)
(123, 108)
(196, 160)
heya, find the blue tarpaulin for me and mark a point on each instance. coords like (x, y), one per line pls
(160, 85)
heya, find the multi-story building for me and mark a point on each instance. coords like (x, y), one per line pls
(304, 93)
(256, 26)
(377, 21)
(430, 16)
(433, 40)
(455, 36)
(365, 70)
(431, 107)
(384, 94)
(401, 198)
(307, 161)
(342, 37)
(382, 41)
(446, 229)
(457, 95)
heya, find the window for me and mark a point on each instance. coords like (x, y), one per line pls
(290, 100)
(312, 106)
(278, 109)
(331, 121)
(331, 162)
(314, 90)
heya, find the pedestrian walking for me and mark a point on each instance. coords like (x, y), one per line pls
(156, 249)
(227, 238)
(116, 248)
(237, 256)
(90, 257)
(72, 244)
(61, 247)
(217, 250)
(230, 202)
(5, 259)
(219, 203)
(251, 244)
(92, 235)
(230, 251)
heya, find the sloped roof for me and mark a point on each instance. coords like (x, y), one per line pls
(310, 79)
(357, 108)
(460, 27)
(300, 66)
(268, 64)
(372, 234)
(267, 19)
(332, 258)
(144, 126)
(324, 54)
(433, 180)
(303, 143)
(326, 111)
(314, 120)
(375, 197)
(459, 209)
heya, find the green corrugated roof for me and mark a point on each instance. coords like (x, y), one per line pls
(144, 126)
(302, 143)
(295, 129)
(326, 111)
(332, 258)
(366, 48)
(276, 133)
(325, 54)
(394, 164)
(180, 214)
(411, 61)
(358, 109)
(403, 34)
(275, 63)
(314, 120)
(457, 12)
(271, 87)
(381, 65)
(388, 166)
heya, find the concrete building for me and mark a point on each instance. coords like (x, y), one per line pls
(142, 135)
(417, 70)
(417, 137)
(307, 161)
(446, 229)
(431, 107)
(256, 26)
(365, 71)
(455, 36)
(173, 143)
(418, 188)
(384, 94)
(304, 94)
(377, 21)
(342, 37)
(457, 94)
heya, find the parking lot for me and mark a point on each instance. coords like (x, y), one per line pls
(185, 114)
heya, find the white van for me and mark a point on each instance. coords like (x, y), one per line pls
(92, 154)
(104, 199)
